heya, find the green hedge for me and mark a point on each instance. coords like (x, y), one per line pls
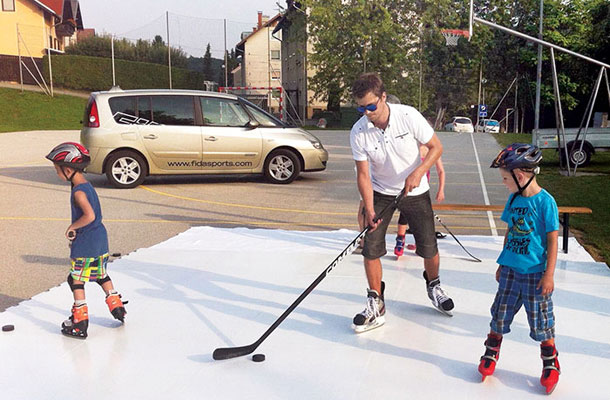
(95, 73)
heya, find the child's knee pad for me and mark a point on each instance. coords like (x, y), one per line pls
(102, 281)
(75, 285)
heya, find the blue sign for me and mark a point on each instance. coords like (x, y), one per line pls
(482, 110)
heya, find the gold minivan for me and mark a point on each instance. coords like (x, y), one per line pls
(131, 134)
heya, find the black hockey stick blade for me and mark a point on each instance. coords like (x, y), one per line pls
(225, 353)
(456, 239)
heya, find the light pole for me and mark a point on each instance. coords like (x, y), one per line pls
(539, 72)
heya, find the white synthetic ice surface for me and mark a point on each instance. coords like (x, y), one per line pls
(212, 287)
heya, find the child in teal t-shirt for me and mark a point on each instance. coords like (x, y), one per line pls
(527, 262)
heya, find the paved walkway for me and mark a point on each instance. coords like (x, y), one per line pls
(36, 88)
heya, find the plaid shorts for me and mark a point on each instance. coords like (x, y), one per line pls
(89, 269)
(515, 290)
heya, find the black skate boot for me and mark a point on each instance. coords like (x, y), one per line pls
(373, 315)
(116, 306)
(440, 300)
(76, 326)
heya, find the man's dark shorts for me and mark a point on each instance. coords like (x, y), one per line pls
(418, 210)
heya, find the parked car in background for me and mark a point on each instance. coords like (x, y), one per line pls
(489, 126)
(460, 124)
(131, 134)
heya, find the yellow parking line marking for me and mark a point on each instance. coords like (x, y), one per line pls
(243, 205)
(24, 165)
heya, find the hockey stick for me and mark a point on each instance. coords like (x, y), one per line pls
(456, 239)
(231, 352)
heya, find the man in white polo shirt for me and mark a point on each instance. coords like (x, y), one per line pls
(386, 150)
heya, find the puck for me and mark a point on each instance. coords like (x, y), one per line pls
(116, 254)
(8, 328)
(258, 358)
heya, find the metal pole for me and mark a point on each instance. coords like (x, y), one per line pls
(226, 59)
(50, 68)
(19, 53)
(559, 112)
(503, 97)
(169, 49)
(607, 84)
(269, 93)
(538, 73)
(479, 98)
(595, 91)
(421, 69)
(516, 112)
(533, 39)
(112, 53)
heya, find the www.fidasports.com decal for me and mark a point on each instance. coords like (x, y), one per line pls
(209, 164)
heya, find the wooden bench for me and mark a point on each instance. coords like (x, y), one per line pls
(563, 212)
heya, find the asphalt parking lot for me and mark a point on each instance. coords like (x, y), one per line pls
(35, 211)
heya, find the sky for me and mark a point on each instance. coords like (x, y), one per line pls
(193, 23)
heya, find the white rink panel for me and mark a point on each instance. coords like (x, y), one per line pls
(213, 287)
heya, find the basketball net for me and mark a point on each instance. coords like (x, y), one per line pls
(453, 35)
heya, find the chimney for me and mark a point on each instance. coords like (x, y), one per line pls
(260, 20)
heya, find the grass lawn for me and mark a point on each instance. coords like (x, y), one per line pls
(589, 188)
(29, 111)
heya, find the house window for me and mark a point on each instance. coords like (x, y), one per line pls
(8, 5)
(275, 54)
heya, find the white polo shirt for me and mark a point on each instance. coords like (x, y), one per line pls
(392, 153)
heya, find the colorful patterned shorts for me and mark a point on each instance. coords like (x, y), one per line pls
(89, 269)
(515, 290)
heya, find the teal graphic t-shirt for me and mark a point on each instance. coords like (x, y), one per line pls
(529, 219)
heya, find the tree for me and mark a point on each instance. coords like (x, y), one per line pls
(207, 64)
(158, 41)
(351, 37)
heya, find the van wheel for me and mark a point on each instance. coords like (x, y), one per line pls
(126, 169)
(282, 166)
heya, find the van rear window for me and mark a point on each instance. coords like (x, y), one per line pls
(123, 109)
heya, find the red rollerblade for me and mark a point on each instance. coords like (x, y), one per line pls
(488, 362)
(550, 367)
(400, 246)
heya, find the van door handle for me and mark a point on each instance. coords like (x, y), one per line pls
(150, 136)
(211, 138)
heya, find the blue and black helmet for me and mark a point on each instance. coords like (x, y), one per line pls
(518, 155)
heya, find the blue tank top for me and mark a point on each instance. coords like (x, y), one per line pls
(91, 240)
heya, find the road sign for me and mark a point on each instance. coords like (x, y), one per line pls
(482, 110)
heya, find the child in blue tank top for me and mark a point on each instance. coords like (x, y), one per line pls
(527, 262)
(88, 239)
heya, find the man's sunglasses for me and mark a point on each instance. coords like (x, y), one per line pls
(369, 107)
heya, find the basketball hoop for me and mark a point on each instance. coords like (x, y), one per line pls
(453, 35)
